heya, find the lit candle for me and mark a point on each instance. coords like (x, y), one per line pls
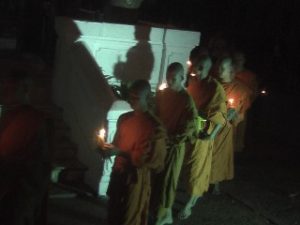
(163, 86)
(263, 92)
(231, 101)
(101, 137)
(189, 63)
(193, 74)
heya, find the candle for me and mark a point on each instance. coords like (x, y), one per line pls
(231, 101)
(263, 92)
(163, 86)
(101, 137)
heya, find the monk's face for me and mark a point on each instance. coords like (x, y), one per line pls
(206, 66)
(226, 70)
(140, 102)
(175, 80)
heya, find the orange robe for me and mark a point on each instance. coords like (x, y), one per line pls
(209, 97)
(143, 139)
(178, 114)
(249, 79)
(223, 157)
(242, 96)
(24, 163)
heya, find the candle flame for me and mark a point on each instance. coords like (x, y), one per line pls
(163, 86)
(101, 133)
(193, 74)
(189, 63)
(231, 101)
(263, 92)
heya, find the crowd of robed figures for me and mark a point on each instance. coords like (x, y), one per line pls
(191, 131)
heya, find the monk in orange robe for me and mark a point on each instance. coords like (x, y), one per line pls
(249, 79)
(237, 103)
(24, 156)
(177, 111)
(139, 146)
(210, 100)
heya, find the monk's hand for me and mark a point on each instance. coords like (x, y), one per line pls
(109, 150)
(231, 114)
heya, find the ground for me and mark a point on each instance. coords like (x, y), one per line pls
(265, 190)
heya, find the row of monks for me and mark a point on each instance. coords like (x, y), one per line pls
(191, 131)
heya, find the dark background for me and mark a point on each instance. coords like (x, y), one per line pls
(265, 30)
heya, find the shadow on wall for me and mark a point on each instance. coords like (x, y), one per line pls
(83, 92)
(139, 58)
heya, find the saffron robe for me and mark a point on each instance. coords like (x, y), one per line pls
(142, 137)
(242, 96)
(178, 114)
(24, 164)
(223, 153)
(249, 79)
(210, 100)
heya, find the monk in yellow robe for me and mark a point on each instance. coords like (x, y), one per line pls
(237, 96)
(176, 109)
(139, 145)
(210, 100)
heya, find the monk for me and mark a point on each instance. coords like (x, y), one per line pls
(245, 76)
(24, 155)
(237, 96)
(176, 109)
(139, 146)
(249, 79)
(209, 97)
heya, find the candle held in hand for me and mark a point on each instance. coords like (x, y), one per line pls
(101, 137)
(163, 86)
(231, 102)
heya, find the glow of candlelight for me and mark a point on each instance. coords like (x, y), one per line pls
(189, 63)
(263, 92)
(193, 74)
(101, 136)
(101, 133)
(163, 86)
(231, 101)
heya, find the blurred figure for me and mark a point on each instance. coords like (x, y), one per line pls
(210, 100)
(139, 146)
(24, 155)
(177, 111)
(249, 79)
(244, 75)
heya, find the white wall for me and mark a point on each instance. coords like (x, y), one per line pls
(87, 50)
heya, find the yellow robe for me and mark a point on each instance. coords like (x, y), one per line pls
(178, 114)
(243, 96)
(223, 153)
(210, 100)
(143, 139)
